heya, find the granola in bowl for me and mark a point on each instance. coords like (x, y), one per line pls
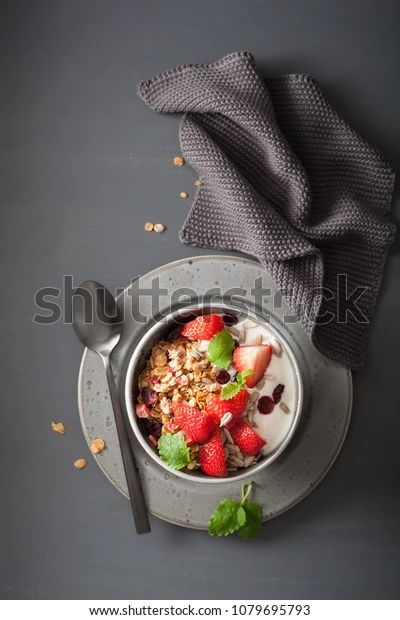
(205, 393)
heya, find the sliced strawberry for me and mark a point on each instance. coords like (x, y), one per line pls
(253, 357)
(198, 426)
(246, 439)
(212, 457)
(204, 327)
(142, 411)
(217, 408)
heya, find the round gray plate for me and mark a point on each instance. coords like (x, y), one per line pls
(312, 451)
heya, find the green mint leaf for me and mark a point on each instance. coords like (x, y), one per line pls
(242, 376)
(230, 390)
(252, 526)
(220, 349)
(224, 361)
(243, 518)
(173, 450)
(228, 518)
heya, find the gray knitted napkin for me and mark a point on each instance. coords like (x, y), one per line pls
(285, 179)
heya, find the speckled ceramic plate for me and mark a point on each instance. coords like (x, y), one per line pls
(311, 452)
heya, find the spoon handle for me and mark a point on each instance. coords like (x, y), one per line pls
(131, 472)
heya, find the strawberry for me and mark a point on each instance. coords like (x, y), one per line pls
(204, 327)
(246, 438)
(212, 457)
(198, 426)
(236, 405)
(253, 357)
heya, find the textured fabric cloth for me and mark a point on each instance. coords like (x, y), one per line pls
(285, 179)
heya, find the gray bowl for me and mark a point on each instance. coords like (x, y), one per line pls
(158, 330)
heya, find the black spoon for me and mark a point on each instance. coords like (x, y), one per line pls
(96, 322)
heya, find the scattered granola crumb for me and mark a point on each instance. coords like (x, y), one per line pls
(80, 463)
(184, 195)
(98, 445)
(178, 161)
(58, 427)
(159, 228)
(149, 226)
(197, 183)
(284, 407)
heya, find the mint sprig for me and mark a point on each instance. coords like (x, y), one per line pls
(220, 349)
(227, 518)
(173, 450)
(231, 389)
(252, 526)
(243, 518)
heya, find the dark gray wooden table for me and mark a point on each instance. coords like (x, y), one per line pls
(84, 163)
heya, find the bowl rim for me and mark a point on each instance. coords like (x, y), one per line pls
(135, 355)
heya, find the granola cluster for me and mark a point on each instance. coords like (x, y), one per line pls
(178, 371)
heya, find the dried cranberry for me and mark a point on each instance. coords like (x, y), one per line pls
(149, 396)
(277, 393)
(230, 319)
(222, 377)
(153, 427)
(265, 405)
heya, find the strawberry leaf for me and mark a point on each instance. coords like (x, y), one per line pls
(228, 518)
(220, 349)
(173, 450)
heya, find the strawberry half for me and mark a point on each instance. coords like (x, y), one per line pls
(217, 408)
(212, 457)
(198, 426)
(246, 439)
(253, 357)
(204, 327)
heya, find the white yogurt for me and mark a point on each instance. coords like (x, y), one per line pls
(274, 426)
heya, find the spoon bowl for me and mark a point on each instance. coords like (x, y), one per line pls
(96, 317)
